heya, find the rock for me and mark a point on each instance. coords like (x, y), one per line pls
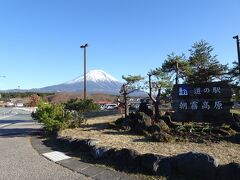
(236, 117)
(149, 162)
(147, 120)
(164, 167)
(168, 121)
(162, 137)
(99, 152)
(154, 129)
(139, 128)
(124, 123)
(140, 123)
(195, 165)
(63, 141)
(109, 156)
(163, 126)
(125, 158)
(75, 144)
(234, 139)
(90, 142)
(82, 145)
(119, 121)
(230, 171)
(143, 107)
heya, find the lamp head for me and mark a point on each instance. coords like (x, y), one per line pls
(236, 37)
(83, 46)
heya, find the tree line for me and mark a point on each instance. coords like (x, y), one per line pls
(201, 66)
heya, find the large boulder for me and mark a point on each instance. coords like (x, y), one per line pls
(195, 165)
(236, 117)
(140, 123)
(126, 158)
(165, 167)
(75, 144)
(63, 141)
(143, 107)
(123, 123)
(154, 129)
(83, 145)
(162, 137)
(149, 162)
(229, 171)
(99, 152)
(167, 119)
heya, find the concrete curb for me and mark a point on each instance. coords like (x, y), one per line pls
(76, 165)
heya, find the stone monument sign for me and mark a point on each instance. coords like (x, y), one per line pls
(206, 102)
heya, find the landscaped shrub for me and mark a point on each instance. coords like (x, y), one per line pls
(53, 116)
(82, 106)
(79, 108)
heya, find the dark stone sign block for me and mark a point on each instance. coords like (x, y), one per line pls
(206, 102)
(202, 117)
(212, 90)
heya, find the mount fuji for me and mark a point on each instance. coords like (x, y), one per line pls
(98, 81)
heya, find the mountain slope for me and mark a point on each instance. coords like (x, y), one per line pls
(97, 81)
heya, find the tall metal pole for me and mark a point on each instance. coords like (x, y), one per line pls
(177, 73)
(85, 79)
(238, 50)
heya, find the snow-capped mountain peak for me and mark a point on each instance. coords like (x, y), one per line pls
(95, 76)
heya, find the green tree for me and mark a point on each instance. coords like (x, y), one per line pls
(79, 108)
(234, 77)
(234, 74)
(204, 65)
(161, 82)
(176, 66)
(82, 106)
(129, 87)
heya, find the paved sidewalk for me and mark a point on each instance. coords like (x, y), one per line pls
(19, 161)
(75, 164)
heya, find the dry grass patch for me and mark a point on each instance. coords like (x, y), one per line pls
(97, 128)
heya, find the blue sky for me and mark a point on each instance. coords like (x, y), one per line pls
(40, 39)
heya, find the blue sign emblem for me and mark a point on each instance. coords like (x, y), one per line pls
(183, 90)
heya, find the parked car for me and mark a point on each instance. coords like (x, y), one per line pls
(19, 105)
(111, 106)
(10, 104)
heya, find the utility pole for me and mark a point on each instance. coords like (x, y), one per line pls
(85, 88)
(238, 51)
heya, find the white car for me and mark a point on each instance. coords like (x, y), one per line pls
(111, 106)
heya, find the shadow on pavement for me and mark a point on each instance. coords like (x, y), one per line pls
(18, 132)
(14, 121)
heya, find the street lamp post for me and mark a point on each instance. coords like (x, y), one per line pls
(85, 88)
(238, 51)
